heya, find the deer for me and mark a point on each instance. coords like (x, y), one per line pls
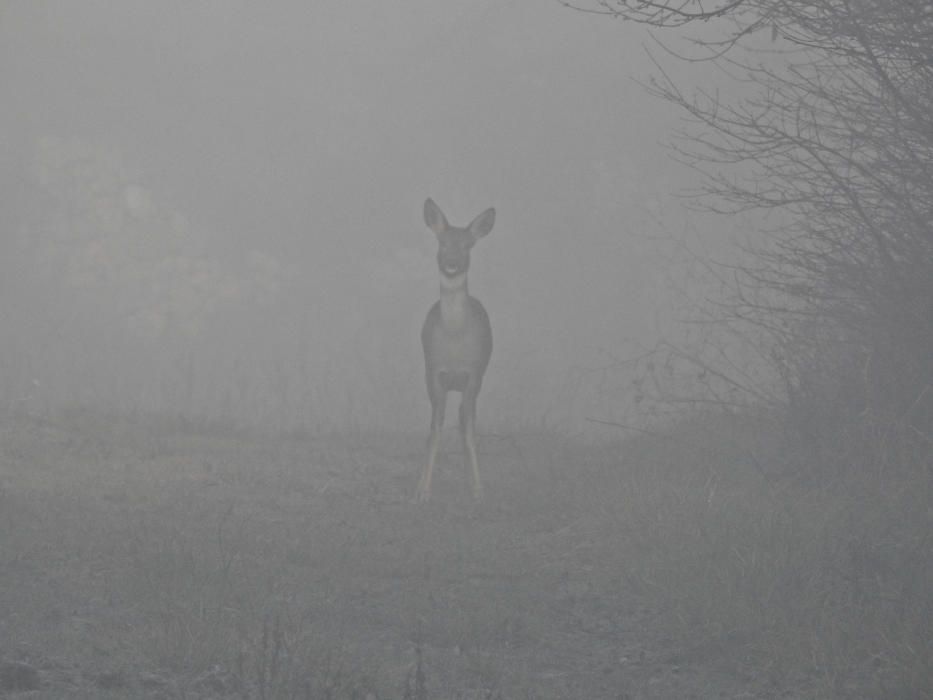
(456, 338)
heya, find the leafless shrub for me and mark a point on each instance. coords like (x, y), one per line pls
(833, 141)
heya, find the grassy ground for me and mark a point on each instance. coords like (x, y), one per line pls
(142, 559)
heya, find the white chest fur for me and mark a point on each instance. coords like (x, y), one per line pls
(455, 307)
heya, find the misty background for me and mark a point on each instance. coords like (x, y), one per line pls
(214, 209)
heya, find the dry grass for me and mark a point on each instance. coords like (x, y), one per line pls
(142, 559)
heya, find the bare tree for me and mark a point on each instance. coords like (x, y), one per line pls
(837, 136)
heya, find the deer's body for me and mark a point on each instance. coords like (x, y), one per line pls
(457, 339)
(457, 342)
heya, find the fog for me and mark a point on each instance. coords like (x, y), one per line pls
(215, 209)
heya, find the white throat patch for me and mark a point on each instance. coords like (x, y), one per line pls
(454, 301)
(452, 284)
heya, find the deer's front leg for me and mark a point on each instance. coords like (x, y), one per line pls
(468, 434)
(438, 405)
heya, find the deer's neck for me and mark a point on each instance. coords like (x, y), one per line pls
(454, 301)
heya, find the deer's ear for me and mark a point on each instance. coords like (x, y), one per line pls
(483, 223)
(434, 217)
